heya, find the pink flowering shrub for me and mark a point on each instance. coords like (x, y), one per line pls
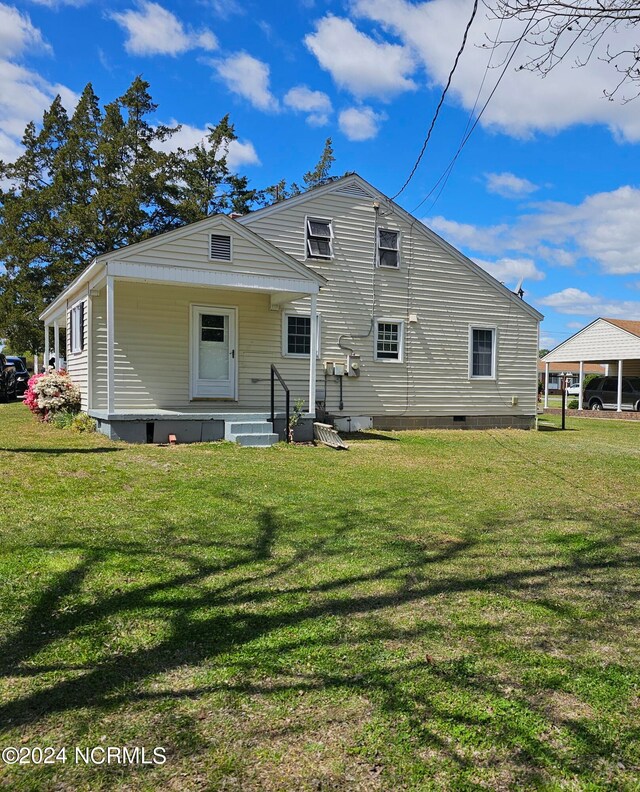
(51, 393)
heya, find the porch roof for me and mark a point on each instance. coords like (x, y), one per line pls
(298, 279)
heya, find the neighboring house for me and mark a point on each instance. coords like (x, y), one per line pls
(570, 370)
(363, 310)
(612, 343)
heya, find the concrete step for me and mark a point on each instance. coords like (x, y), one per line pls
(246, 427)
(255, 440)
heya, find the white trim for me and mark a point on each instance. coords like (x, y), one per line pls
(166, 273)
(56, 343)
(314, 352)
(389, 320)
(230, 236)
(195, 310)
(110, 344)
(89, 345)
(315, 219)
(581, 384)
(546, 385)
(619, 394)
(379, 263)
(72, 345)
(285, 333)
(494, 349)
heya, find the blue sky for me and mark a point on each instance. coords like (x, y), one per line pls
(546, 188)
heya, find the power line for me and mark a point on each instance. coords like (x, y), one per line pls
(441, 102)
(447, 171)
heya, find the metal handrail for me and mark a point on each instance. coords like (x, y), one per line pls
(287, 396)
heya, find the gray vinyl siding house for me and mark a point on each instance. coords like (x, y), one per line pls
(368, 316)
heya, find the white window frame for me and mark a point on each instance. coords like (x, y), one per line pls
(400, 323)
(494, 350)
(212, 233)
(285, 334)
(313, 219)
(76, 330)
(397, 249)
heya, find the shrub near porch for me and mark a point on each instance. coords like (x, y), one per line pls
(430, 610)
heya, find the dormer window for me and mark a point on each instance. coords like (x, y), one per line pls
(388, 248)
(220, 247)
(319, 238)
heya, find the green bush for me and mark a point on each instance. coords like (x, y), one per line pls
(83, 423)
(573, 404)
(62, 419)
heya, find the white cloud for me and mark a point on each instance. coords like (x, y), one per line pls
(239, 153)
(604, 228)
(316, 104)
(576, 301)
(248, 77)
(360, 123)
(58, 3)
(508, 185)
(18, 34)
(358, 63)
(152, 30)
(524, 103)
(25, 94)
(512, 269)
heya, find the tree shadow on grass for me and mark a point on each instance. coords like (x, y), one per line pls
(269, 593)
(58, 451)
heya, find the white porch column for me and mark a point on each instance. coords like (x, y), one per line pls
(619, 407)
(581, 384)
(313, 355)
(546, 385)
(56, 343)
(46, 348)
(110, 345)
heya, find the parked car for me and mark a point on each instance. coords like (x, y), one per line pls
(7, 380)
(573, 390)
(22, 374)
(602, 393)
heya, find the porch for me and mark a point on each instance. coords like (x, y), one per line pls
(190, 426)
(187, 351)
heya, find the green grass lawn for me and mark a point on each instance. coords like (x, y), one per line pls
(426, 611)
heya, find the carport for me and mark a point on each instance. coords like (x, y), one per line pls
(613, 343)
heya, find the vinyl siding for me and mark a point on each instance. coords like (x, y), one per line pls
(152, 354)
(77, 363)
(447, 296)
(192, 250)
(599, 341)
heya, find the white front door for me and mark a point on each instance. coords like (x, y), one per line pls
(213, 352)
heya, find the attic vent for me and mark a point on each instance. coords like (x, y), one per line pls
(220, 247)
(354, 189)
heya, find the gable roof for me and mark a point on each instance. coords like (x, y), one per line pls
(217, 221)
(626, 324)
(353, 184)
(213, 222)
(623, 345)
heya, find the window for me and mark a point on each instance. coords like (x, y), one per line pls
(220, 247)
(388, 248)
(297, 335)
(319, 238)
(76, 328)
(389, 340)
(482, 352)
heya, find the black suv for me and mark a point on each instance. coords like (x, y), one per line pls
(22, 374)
(602, 393)
(7, 380)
